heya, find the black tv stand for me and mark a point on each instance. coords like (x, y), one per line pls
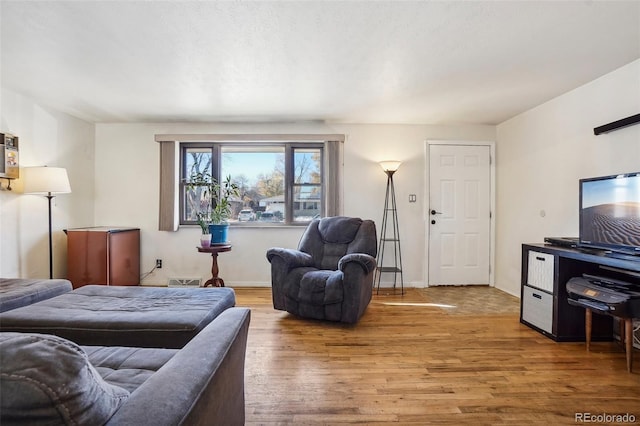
(622, 256)
(594, 251)
(546, 309)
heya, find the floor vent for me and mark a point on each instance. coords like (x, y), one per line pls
(184, 282)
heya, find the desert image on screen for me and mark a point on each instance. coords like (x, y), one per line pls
(613, 223)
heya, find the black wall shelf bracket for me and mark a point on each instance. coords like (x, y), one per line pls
(615, 125)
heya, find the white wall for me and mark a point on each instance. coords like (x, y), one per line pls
(127, 193)
(541, 155)
(51, 138)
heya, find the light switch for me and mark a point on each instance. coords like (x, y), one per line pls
(412, 198)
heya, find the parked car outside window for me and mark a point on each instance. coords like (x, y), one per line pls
(267, 217)
(246, 215)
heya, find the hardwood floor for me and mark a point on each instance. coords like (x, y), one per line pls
(410, 362)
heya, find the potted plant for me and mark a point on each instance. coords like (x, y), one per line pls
(221, 211)
(205, 237)
(213, 203)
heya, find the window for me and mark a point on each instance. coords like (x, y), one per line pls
(279, 183)
(318, 190)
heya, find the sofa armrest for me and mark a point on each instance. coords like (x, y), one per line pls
(18, 292)
(367, 262)
(358, 270)
(291, 258)
(203, 381)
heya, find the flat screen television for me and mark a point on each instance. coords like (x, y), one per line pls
(610, 213)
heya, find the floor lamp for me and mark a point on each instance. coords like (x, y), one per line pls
(392, 238)
(47, 181)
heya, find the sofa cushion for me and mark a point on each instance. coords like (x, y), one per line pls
(123, 316)
(16, 292)
(49, 380)
(127, 367)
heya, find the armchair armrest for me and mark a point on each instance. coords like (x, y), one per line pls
(291, 258)
(367, 262)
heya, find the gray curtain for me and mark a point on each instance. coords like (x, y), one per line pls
(333, 174)
(168, 211)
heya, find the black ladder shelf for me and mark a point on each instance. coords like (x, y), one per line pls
(389, 237)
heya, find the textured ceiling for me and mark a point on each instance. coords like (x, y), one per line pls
(422, 62)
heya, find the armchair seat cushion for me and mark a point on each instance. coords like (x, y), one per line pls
(320, 287)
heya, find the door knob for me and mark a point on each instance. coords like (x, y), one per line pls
(433, 212)
(433, 222)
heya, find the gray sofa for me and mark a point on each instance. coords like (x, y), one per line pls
(48, 379)
(151, 355)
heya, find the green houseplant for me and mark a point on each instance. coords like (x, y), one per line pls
(221, 209)
(221, 200)
(213, 202)
(203, 222)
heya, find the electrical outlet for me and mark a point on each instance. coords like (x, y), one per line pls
(158, 263)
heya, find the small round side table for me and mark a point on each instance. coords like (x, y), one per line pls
(215, 280)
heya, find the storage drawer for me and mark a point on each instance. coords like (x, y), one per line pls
(537, 308)
(540, 271)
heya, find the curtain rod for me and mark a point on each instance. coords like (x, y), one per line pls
(258, 137)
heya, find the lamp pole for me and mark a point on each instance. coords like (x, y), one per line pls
(50, 197)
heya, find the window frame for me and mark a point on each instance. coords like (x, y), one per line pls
(289, 183)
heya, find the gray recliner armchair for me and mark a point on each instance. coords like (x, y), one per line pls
(330, 275)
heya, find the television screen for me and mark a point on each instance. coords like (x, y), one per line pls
(610, 213)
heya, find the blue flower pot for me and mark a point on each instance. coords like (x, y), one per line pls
(219, 233)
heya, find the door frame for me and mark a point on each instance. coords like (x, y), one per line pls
(492, 189)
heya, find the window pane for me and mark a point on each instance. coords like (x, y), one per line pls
(307, 187)
(259, 172)
(197, 164)
(306, 202)
(307, 165)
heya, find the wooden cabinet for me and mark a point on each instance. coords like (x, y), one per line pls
(543, 303)
(103, 255)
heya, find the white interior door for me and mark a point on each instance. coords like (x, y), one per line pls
(459, 216)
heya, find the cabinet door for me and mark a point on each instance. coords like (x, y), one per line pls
(124, 258)
(86, 258)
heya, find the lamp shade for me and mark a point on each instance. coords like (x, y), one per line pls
(45, 180)
(390, 165)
